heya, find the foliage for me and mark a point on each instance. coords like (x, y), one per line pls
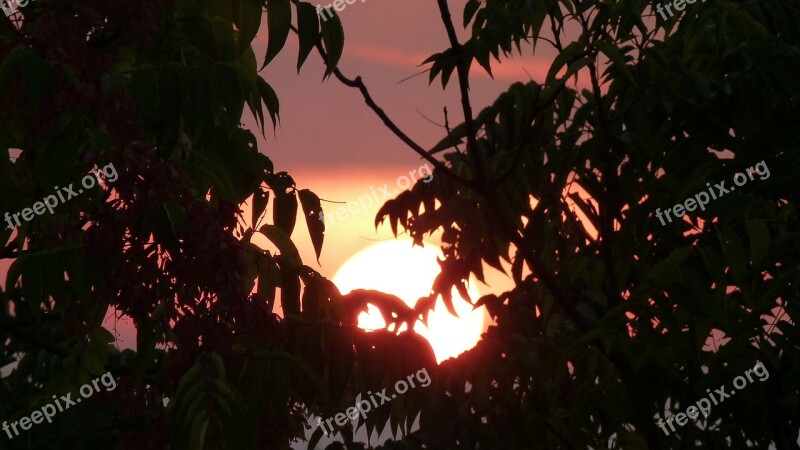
(616, 320)
(158, 89)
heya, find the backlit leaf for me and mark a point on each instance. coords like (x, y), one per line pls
(279, 21)
(312, 209)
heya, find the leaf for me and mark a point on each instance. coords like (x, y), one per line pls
(733, 251)
(315, 437)
(279, 21)
(614, 54)
(341, 358)
(333, 38)
(391, 307)
(36, 74)
(270, 99)
(224, 38)
(759, 240)
(284, 213)
(283, 242)
(228, 84)
(312, 209)
(260, 202)
(197, 436)
(469, 10)
(308, 30)
(564, 58)
(268, 278)
(312, 297)
(248, 22)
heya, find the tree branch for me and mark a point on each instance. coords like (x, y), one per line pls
(387, 121)
(462, 68)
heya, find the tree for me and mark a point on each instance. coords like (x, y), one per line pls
(612, 317)
(152, 93)
(617, 320)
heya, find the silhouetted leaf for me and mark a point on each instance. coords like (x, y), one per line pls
(312, 209)
(279, 21)
(284, 213)
(333, 38)
(308, 31)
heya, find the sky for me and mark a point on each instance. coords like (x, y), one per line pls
(326, 124)
(332, 143)
(329, 141)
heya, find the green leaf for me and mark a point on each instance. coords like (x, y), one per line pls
(279, 21)
(308, 29)
(9, 68)
(733, 251)
(248, 22)
(333, 38)
(224, 38)
(312, 209)
(197, 437)
(228, 83)
(759, 240)
(36, 74)
(169, 105)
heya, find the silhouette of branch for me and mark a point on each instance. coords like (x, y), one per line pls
(462, 69)
(358, 83)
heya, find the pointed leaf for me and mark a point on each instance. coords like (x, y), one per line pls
(284, 213)
(270, 99)
(308, 30)
(283, 242)
(249, 21)
(279, 21)
(759, 240)
(333, 38)
(312, 209)
(260, 202)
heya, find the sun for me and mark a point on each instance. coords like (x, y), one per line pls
(398, 268)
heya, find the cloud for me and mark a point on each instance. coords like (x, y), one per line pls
(516, 68)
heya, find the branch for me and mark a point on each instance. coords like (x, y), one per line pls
(387, 121)
(462, 67)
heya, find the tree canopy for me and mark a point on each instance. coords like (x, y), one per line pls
(617, 318)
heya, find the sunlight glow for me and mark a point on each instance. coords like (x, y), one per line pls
(395, 267)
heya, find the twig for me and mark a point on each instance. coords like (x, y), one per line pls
(462, 69)
(387, 121)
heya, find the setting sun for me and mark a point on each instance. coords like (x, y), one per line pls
(397, 268)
